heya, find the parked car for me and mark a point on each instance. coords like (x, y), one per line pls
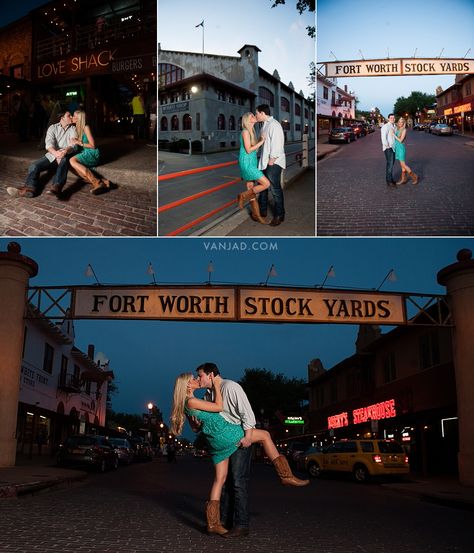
(342, 134)
(442, 129)
(88, 450)
(142, 450)
(362, 458)
(358, 129)
(418, 126)
(371, 127)
(124, 450)
(301, 460)
(431, 126)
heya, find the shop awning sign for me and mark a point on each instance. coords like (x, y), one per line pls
(398, 67)
(239, 304)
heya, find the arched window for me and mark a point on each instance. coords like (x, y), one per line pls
(187, 122)
(285, 104)
(266, 96)
(169, 73)
(231, 123)
(164, 124)
(297, 109)
(221, 122)
(175, 123)
(285, 124)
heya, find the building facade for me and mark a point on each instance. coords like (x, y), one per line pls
(92, 54)
(202, 98)
(455, 105)
(336, 106)
(63, 391)
(398, 385)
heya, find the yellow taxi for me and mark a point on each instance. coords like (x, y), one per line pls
(362, 458)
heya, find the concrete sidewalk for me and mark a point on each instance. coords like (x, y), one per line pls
(35, 475)
(299, 219)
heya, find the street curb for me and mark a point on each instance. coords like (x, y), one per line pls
(17, 490)
(439, 499)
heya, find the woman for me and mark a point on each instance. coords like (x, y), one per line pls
(400, 151)
(248, 166)
(89, 156)
(222, 437)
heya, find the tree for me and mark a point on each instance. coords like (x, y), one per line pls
(301, 6)
(312, 80)
(416, 102)
(273, 393)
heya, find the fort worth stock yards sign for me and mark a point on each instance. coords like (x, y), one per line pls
(404, 66)
(236, 303)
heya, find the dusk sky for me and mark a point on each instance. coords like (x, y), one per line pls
(279, 32)
(347, 26)
(146, 356)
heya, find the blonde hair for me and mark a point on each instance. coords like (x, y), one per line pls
(403, 121)
(81, 122)
(179, 398)
(247, 126)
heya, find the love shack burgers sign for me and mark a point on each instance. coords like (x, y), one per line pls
(238, 304)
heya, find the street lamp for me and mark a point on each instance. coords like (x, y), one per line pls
(150, 407)
(194, 89)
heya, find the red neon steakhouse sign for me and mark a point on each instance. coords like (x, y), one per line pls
(375, 412)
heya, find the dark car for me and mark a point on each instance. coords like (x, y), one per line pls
(88, 450)
(431, 126)
(359, 129)
(124, 450)
(342, 134)
(418, 126)
(142, 450)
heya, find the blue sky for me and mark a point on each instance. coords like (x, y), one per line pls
(146, 356)
(280, 33)
(347, 26)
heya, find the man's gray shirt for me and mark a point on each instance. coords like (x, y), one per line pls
(236, 406)
(58, 138)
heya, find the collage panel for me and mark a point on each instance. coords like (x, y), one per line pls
(395, 120)
(236, 118)
(78, 118)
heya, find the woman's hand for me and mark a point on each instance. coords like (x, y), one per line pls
(262, 139)
(216, 380)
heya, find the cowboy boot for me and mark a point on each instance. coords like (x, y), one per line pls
(414, 177)
(213, 518)
(403, 178)
(245, 196)
(284, 472)
(255, 212)
(97, 185)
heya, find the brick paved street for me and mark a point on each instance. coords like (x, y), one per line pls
(353, 199)
(157, 507)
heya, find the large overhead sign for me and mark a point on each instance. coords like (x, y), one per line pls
(402, 66)
(236, 303)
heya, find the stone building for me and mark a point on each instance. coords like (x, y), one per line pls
(202, 98)
(336, 106)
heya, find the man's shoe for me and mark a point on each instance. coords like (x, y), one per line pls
(19, 192)
(55, 190)
(276, 221)
(236, 533)
(393, 183)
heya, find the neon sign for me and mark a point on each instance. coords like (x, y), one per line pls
(377, 411)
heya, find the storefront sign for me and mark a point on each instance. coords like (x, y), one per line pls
(178, 106)
(378, 411)
(239, 304)
(448, 111)
(401, 66)
(463, 108)
(294, 420)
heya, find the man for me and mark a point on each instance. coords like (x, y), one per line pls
(57, 157)
(387, 145)
(138, 109)
(237, 409)
(272, 162)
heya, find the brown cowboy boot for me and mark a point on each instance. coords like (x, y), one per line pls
(414, 177)
(245, 196)
(284, 472)
(97, 185)
(403, 178)
(213, 517)
(255, 209)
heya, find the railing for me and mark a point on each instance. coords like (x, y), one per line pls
(69, 383)
(92, 36)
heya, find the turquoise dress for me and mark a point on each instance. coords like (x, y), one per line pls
(222, 436)
(248, 163)
(400, 150)
(89, 157)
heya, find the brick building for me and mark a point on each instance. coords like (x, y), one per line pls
(455, 105)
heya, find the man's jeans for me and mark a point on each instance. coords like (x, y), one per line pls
(273, 174)
(43, 164)
(234, 498)
(390, 159)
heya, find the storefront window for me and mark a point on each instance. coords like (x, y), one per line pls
(48, 358)
(175, 123)
(187, 122)
(164, 124)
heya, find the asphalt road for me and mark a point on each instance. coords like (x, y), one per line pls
(353, 199)
(158, 507)
(178, 188)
